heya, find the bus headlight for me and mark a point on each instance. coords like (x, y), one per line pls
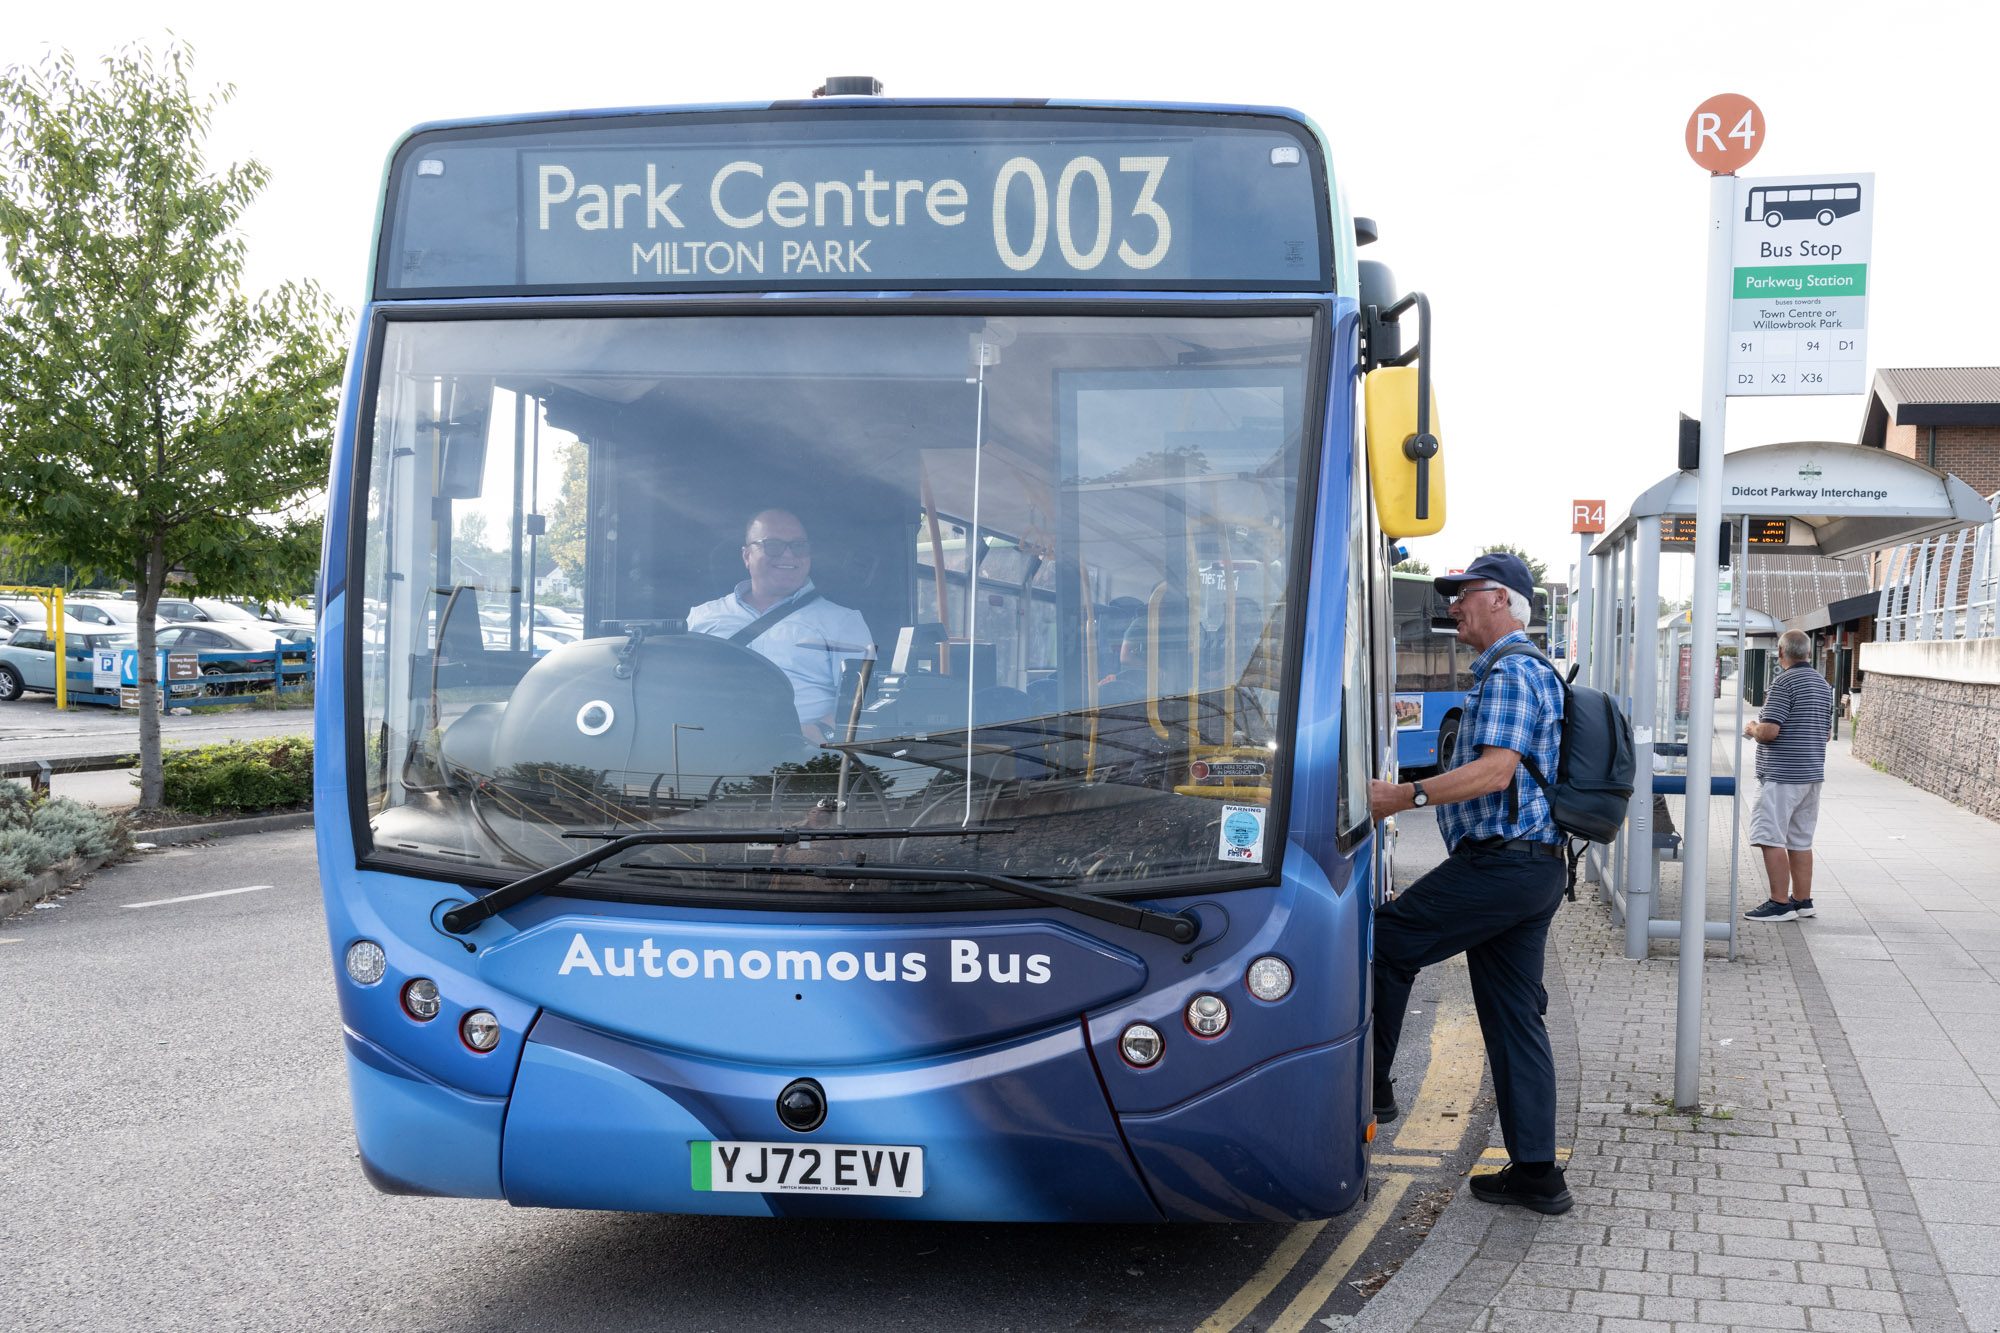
(1269, 978)
(420, 999)
(481, 1030)
(366, 962)
(1207, 1015)
(1141, 1045)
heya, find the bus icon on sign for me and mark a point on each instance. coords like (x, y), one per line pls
(1798, 203)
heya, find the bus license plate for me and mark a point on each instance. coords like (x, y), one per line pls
(796, 1168)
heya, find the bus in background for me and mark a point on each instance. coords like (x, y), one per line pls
(1004, 852)
(1433, 670)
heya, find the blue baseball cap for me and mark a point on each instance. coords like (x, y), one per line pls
(1510, 571)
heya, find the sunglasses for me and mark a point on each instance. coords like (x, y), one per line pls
(777, 546)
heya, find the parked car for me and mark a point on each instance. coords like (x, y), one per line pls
(282, 613)
(213, 611)
(18, 611)
(103, 611)
(28, 662)
(180, 609)
(495, 639)
(212, 637)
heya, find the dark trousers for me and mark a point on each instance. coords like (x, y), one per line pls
(1494, 907)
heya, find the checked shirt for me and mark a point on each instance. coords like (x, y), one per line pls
(1517, 704)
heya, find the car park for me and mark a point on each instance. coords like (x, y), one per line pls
(213, 637)
(28, 662)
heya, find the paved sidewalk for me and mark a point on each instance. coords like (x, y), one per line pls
(1791, 1205)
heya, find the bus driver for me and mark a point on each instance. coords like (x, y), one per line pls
(777, 612)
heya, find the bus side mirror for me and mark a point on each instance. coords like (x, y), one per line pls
(1404, 460)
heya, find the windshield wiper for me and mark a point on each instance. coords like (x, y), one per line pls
(1180, 927)
(465, 916)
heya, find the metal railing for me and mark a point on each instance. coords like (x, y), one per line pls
(1945, 587)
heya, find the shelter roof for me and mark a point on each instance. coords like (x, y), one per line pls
(1841, 612)
(1834, 499)
(1787, 586)
(1930, 396)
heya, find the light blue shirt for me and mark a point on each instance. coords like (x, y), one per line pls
(808, 645)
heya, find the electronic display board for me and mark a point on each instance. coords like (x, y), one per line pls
(1679, 529)
(885, 198)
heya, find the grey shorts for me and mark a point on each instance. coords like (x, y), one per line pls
(1785, 815)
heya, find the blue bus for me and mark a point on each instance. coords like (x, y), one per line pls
(954, 804)
(1433, 670)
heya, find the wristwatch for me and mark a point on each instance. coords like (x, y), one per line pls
(1420, 797)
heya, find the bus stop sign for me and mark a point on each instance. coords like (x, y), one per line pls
(1724, 133)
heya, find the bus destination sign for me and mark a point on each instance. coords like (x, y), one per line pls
(938, 202)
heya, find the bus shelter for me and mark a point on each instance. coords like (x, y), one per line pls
(1798, 498)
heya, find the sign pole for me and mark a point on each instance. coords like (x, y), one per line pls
(1701, 706)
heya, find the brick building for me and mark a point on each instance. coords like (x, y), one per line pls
(1945, 417)
(1932, 712)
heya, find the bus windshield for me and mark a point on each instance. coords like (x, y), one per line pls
(1024, 572)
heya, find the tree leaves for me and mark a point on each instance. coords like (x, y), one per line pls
(154, 418)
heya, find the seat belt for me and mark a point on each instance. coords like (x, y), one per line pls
(742, 638)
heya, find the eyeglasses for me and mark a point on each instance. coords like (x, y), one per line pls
(1462, 593)
(777, 546)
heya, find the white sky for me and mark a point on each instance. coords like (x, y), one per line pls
(1524, 163)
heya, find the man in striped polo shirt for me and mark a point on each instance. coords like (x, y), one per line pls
(1791, 737)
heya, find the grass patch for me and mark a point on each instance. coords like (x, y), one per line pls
(239, 776)
(1664, 1106)
(292, 700)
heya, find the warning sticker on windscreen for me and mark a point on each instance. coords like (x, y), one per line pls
(1242, 834)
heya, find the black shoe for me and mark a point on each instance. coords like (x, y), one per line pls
(1386, 1109)
(1507, 1185)
(1770, 910)
(1804, 907)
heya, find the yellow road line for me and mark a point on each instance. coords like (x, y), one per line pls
(1443, 1109)
(15, 940)
(1338, 1264)
(1252, 1293)
(1404, 1159)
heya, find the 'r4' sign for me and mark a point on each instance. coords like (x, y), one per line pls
(1724, 133)
(1586, 516)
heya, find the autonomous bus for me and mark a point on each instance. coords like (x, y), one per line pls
(952, 801)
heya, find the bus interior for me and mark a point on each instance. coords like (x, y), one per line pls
(1069, 538)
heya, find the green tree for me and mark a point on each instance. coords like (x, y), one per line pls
(1413, 566)
(471, 538)
(153, 417)
(569, 516)
(1538, 568)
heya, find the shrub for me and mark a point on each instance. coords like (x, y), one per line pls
(239, 775)
(39, 832)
